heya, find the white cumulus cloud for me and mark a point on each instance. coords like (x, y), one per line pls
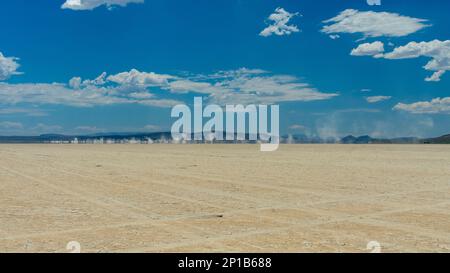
(103, 90)
(92, 4)
(438, 51)
(8, 67)
(369, 49)
(279, 24)
(135, 77)
(373, 24)
(244, 86)
(435, 106)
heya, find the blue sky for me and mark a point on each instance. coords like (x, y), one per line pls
(380, 70)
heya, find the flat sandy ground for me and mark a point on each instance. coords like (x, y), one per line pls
(224, 198)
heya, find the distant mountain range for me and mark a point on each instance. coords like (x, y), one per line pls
(369, 140)
(439, 140)
(167, 137)
(404, 140)
(49, 138)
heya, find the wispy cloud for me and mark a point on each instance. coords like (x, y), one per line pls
(263, 87)
(9, 125)
(375, 99)
(357, 110)
(152, 128)
(342, 123)
(297, 127)
(31, 112)
(45, 128)
(92, 4)
(436, 77)
(88, 129)
(373, 24)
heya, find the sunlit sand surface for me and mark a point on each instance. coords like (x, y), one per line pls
(224, 198)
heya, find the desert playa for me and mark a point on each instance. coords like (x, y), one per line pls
(224, 198)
